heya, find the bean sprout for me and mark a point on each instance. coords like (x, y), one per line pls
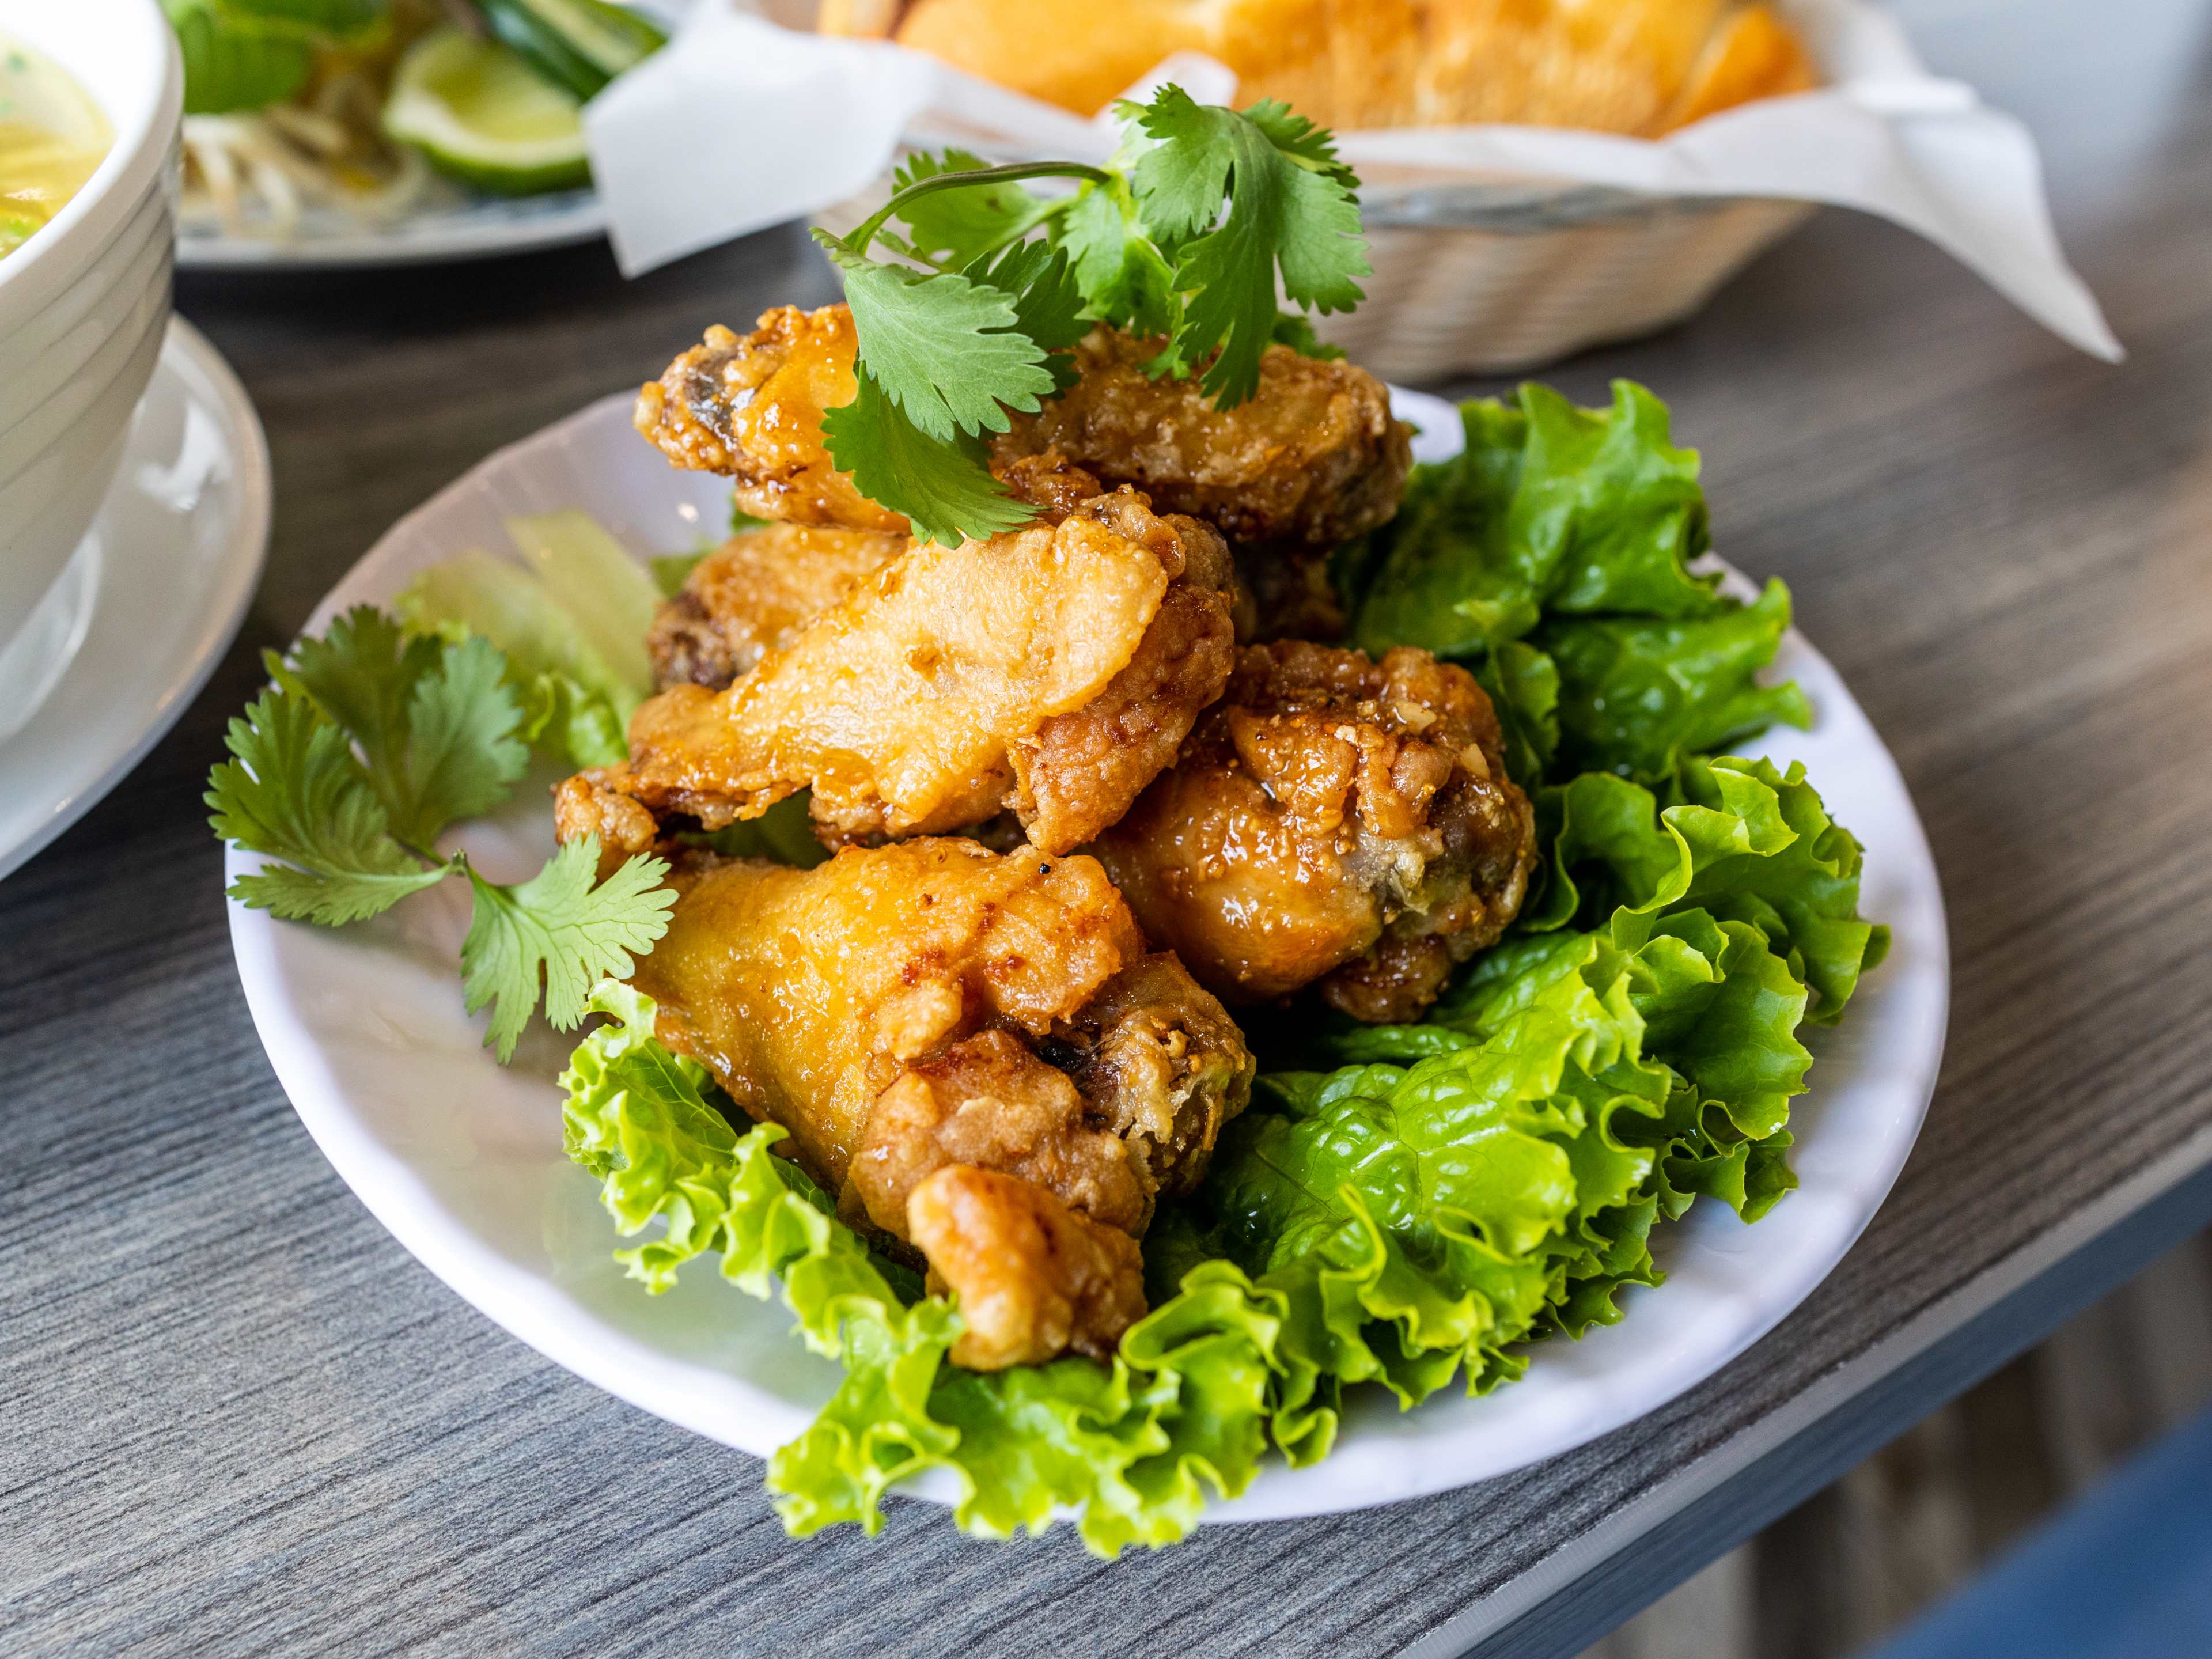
(260, 174)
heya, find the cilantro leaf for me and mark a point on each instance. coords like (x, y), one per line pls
(1048, 305)
(464, 752)
(362, 671)
(560, 930)
(295, 792)
(1291, 207)
(943, 487)
(1300, 139)
(1182, 176)
(1123, 275)
(1186, 238)
(1047, 300)
(1297, 333)
(441, 721)
(955, 227)
(435, 725)
(944, 348)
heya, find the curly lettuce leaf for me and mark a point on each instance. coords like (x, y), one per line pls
(1746, 841)
(1426, 1217)
(1550, 509)
(1637, 696)
(610, 598)
(1136, 1449)
(1524, 686)
(1418, 1215)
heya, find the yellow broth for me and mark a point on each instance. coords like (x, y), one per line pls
(52, 137)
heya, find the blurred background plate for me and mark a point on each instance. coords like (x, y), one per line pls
(152, 597)
(449, 224)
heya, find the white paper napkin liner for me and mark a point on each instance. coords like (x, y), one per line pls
(738, 124)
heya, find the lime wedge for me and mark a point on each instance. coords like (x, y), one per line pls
(482, 114)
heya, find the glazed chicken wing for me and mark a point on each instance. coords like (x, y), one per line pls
(1311, 459)
(1052, 670)
(974, 1052)
(1333, 819)
(750, 407)
(755, 594)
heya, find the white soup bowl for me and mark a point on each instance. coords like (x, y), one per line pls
(84, 306)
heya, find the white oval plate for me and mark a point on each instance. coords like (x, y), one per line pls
(153, 596)
(453, 224)
(461, 1160)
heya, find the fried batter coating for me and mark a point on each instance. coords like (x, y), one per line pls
(1333, 819)
(1034, 1278)
(1157, 1059)
(931, 1006)
(584, 805)
(989, 1102)
(1313, 457)
(755, 593)
(751, 407)
(1053, 670)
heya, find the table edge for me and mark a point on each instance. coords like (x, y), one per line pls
(1643, 1515)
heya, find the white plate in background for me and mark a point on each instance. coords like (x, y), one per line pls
(461, 1159)
(153, 594)
(450, 224)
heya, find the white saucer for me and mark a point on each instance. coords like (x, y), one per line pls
(461, 1158)
(155, 593)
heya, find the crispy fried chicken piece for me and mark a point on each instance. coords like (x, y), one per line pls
(1314, 457)
(1333, 819)
(1156, 1058)
(931, 1007)
(989, 1102)
(755, 593)
(584, 805)
(1053, 670)
(1035, 1279)
(751, 407)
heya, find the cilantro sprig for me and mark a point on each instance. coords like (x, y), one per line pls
(1186, 236)
(369, 744)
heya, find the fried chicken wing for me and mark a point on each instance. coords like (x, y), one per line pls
(1053, 671)
(1333, 819)
(750, 407)
(1312, 458)
(1034, 1278)
(974, 1050)
(755, 594)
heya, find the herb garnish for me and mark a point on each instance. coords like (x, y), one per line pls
(1182, 238)
(370, 742)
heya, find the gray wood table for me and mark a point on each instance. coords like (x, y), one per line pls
(239, 1419)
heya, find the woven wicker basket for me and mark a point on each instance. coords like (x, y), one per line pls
(1510, 279)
